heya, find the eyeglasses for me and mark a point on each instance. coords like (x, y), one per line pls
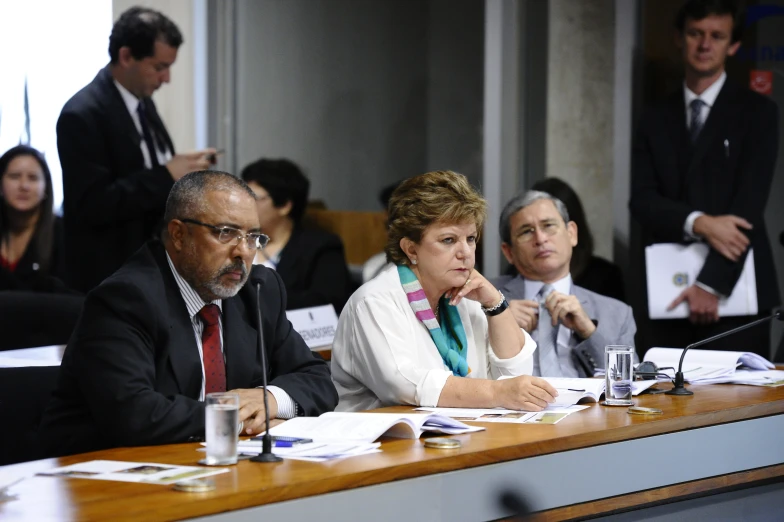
(550, 228)
(255, 240)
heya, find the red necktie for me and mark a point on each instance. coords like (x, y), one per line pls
(214, 367)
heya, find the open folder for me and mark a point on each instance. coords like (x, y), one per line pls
(670, 269)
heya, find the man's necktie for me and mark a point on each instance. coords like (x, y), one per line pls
(146, 134)
(696, 119)
(548, 356)
(214, 367)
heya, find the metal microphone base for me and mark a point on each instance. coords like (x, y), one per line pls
(266, 457)
(678, 387)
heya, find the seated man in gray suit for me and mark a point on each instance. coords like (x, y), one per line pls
(571, 325)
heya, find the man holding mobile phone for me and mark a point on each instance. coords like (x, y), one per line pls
(118, 160)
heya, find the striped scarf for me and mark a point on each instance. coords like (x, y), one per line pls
(452, 346)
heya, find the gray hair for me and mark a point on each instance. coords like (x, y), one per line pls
(186, 197)
(519, 202)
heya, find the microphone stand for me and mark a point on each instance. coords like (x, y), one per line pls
(266, 454)
(678, 384)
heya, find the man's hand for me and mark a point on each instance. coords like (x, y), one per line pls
(703, 305)
(252, 410)
(526, 313)
(724, 234)
(525, 392)
(569, 311)
(182, 164)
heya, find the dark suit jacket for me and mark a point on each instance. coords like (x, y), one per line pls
(112, 203)
(603, 277)
(728, 170)
(29, 275)
(313, 267)
(132, 375)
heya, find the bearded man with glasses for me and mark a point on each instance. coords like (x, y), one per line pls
(176, 322)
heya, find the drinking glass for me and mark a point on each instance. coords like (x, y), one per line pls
(618, 362)
(221, 428)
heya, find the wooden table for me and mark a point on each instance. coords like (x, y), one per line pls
(723, 437)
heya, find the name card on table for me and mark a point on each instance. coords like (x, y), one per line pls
(316, 325)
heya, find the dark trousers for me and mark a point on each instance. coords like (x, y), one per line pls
(678, 333)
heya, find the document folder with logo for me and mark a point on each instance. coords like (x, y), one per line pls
(671, 268)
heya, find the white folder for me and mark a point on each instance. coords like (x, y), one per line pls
(671, 268)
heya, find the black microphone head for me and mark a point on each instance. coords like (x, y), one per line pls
(257, 275)
(779, 314)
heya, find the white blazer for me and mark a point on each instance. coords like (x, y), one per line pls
(383, 355)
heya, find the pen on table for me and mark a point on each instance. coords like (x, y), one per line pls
(727, 148)
(570, 389)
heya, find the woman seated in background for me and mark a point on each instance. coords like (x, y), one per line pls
(430, 330)
(311, 262)
(589, 271)
(30, 234)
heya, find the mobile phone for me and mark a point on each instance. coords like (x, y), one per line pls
(213, 158)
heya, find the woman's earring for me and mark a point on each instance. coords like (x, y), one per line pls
(413, 261)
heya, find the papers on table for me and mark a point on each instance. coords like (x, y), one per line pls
(313, 451)
(550, 415)
(715, 366)
(146, 472)
(671, 268)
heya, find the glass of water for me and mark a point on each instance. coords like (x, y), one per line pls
(221, 428)
(618, 362)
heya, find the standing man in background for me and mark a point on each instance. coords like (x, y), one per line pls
(702, 168)
(118, 160)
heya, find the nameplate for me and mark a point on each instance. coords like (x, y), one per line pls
(316, 325)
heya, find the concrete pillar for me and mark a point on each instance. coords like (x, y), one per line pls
(580, 107)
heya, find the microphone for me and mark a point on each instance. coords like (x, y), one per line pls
(266, 454)
(678, 387)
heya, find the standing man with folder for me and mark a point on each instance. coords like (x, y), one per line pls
(702, 167)
(118, 160)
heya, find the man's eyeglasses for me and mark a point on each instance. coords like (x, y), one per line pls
(255, 240)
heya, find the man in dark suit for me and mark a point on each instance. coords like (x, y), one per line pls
(702, 168)
(177, 322)
(118, 160)
(571, 324)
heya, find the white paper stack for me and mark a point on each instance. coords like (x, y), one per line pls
(716, 367)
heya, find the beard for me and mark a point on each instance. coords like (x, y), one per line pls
(222, 290)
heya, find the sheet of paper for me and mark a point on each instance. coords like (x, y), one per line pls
(147, 472)
(504, 415)
(671, 268)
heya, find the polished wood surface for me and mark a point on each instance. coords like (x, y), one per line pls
(249, 484)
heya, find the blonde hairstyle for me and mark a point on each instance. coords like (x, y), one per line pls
(442, 196)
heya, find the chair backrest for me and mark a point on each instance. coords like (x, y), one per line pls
(29, 319)
(24, 395)
(363, 233)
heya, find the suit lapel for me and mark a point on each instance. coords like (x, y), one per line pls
(585, 302)
(119, 111)
(183, 352)
(239, 344)
(514, 288)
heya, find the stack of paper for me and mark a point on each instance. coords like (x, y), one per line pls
(313, 451)
(550, 415)
(343, 434)
(715, 367)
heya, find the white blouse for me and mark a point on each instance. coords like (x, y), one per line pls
(383, 355)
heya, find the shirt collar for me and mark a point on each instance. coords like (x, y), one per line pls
(532, 288)
(193, 302)
(131, 101)
(709, 95)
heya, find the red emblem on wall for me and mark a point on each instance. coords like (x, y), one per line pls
(762, 82)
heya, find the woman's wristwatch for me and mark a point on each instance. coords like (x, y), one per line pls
(502, 305)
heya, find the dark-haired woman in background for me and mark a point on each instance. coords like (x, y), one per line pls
(589, 271)
(311, 262)
(30, 233)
